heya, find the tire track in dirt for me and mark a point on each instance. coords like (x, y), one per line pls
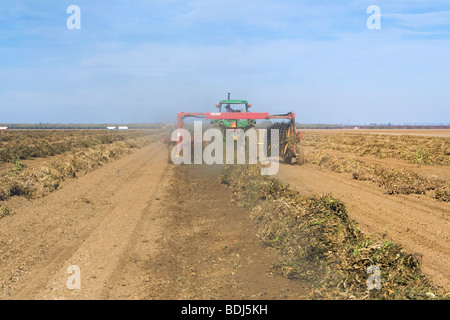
(419, 224)
(56, 226)
(138, 228)
(99, 255)
(128, 279)
(206, 247)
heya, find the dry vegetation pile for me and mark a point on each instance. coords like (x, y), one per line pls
(394, 181)
(37, 181)
(421, 150)
(28, 144)
(321, 245)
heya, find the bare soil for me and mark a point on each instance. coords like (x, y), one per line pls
(419, 224)
(137, 228)
(141, 228)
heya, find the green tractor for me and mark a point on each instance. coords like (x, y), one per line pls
(236, 121)
(233, 124)
(233, 119)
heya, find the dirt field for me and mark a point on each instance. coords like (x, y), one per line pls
(141, 228)
(137, 228)
(418, 223)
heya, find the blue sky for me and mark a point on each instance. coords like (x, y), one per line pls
(144, 61)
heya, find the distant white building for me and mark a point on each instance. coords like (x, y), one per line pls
(3, 128)
(123, 128)
(111, 128)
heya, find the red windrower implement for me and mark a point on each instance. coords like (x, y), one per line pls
(238, 119)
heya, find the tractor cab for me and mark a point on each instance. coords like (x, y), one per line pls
(233, 123)
(227, 105)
